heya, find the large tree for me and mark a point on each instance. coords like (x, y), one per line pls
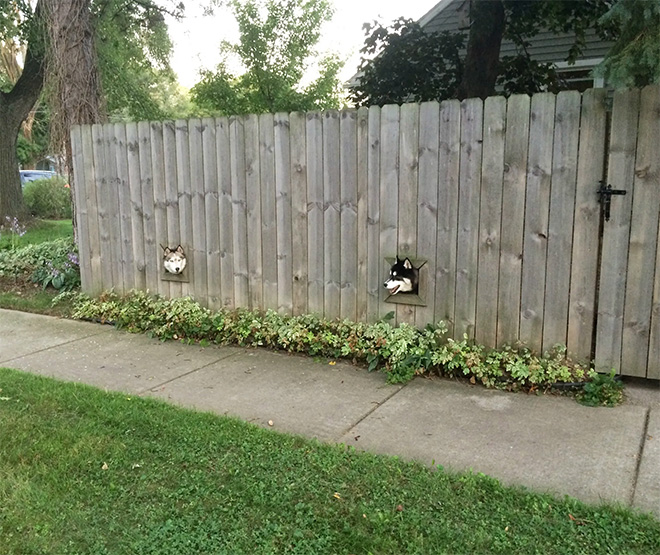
(18, 19)
(98, 57)
(479, 68)
(276, 48)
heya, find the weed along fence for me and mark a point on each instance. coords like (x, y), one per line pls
(495, 202)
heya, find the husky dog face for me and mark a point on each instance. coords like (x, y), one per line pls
(404, 277)
(174, 260)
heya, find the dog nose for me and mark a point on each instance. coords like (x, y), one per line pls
(176, 269)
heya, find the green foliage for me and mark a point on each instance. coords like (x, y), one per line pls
(276, 48)
(49, 199)
(404, 63)
(634, 61)
(603, 390)
(52, 263)
(133, 49)
(400, 351)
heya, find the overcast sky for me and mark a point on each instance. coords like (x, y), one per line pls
(197, 38)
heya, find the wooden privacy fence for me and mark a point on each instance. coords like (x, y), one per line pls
(299, 212)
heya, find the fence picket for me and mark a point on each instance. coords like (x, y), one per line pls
(468, 216)
(348, 261)
(490, 220)
(147, 208)
(315, 238)
(283, 209)
(225, 215)
(591, 157)
(513, 217)
(616, 232)
(560, 223)
(389, 192)
(449, 155)
(642, 245)
(299, 188)
(537, 204)
(135, 214)
(331, 218)
(362, 184)
(427, 206)
(239, 211)
(374, 263)
(208, 203)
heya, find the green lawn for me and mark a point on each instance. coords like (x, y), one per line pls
(38, 231)
(87, 472)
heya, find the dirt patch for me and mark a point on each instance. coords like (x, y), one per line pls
(20, 293)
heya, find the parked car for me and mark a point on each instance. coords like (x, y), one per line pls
(33, 175)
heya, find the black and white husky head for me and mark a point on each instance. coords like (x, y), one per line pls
(174, 260)
(404, 277)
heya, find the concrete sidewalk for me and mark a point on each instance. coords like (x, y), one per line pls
(546, 443)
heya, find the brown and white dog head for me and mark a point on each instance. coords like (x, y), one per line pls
(174, 260)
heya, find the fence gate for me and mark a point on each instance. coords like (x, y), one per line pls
(628, 315)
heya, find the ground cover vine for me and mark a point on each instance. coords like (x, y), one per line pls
(401, 351)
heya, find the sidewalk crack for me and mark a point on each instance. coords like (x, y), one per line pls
(640, 455)
(377, 405)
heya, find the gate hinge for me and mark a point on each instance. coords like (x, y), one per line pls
(605, 193)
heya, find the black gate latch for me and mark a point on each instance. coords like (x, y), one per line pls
(605, 193)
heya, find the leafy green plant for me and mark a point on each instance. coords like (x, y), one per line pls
(401, 351)
(48, 198)
(602, 390)
(52, 263)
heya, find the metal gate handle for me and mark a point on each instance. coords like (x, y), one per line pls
(605, 193)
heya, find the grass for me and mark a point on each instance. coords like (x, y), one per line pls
(38, 231)
(87, 472)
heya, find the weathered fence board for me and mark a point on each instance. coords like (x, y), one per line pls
(348, 214)
(283, 213)
(208, 202)
(427, 205)
(537, 203)
(469, 190)
(239, 211)
(616, 234)
(560, 222)
(514, 185)
(492, 172)
(301, 212)
(147, 205)
(584, 267)
(447, 227)
(299, 255)
(643, 238)
(315, 203)
(389, 192)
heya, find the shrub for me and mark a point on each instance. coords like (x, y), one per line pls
(400, 351)
(48, 199)
(52, 263)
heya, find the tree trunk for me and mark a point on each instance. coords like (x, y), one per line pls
(74, 76)
(483, 50)
(15, 106)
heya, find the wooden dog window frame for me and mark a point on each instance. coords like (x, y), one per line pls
(417, 299)
(167, 276)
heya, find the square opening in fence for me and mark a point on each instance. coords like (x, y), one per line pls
(416, 299)
(165, 275)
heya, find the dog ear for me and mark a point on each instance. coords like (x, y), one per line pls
(166, 250)
(179, 249)
(407, 264)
